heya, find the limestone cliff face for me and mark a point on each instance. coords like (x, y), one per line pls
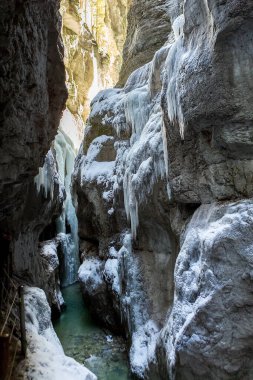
(32, 97)
(164, 189)
(148, 30)
(94, 32)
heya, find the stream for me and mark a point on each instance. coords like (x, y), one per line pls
(104, 354)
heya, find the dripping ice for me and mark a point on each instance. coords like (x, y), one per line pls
(67, 224)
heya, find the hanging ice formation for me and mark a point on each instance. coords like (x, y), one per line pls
(146, 161)
(67, 225)
(44, 181)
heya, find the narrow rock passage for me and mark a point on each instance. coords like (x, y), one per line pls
(104, 354)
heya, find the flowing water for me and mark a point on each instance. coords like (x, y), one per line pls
(104, 354)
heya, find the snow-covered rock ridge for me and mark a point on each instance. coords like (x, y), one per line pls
(171, 149)
(45, 357)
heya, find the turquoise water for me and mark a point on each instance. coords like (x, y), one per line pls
(104, 354)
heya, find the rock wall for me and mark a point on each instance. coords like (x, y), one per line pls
(148, 29)
(163, 182)
(43, 202)
(33, 95)
(94, 32)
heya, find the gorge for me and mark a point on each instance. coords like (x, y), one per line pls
(126, 164)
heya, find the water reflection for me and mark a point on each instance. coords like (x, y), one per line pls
(104, 354)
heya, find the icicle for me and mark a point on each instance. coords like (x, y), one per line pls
(44, 181)
(173, 63)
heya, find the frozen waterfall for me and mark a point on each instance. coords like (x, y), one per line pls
(67, 225)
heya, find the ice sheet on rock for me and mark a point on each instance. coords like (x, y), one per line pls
(111, 272)
(48, 250)
(133, 299)
(89, 273)
(65, 156)
(144, 166)
(173, 64)
(213, 263)
(138, 78)
(45, 357)
(142, 351)
(155, 80)
(137, 109)
(45, 180)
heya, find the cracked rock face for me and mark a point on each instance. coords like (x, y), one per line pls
(32, 95)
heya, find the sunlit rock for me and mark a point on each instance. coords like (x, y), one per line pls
(94, 33)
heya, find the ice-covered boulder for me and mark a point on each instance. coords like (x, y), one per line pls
(50, 263)
(209, 330)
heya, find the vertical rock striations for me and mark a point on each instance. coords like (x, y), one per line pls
(164, 176)
(32, 95)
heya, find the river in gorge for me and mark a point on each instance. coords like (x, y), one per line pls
(104, 354)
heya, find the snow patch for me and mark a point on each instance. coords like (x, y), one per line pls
(99, 171)
(111, 273)
(45, 357)
(142, 351)
(89, 273)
